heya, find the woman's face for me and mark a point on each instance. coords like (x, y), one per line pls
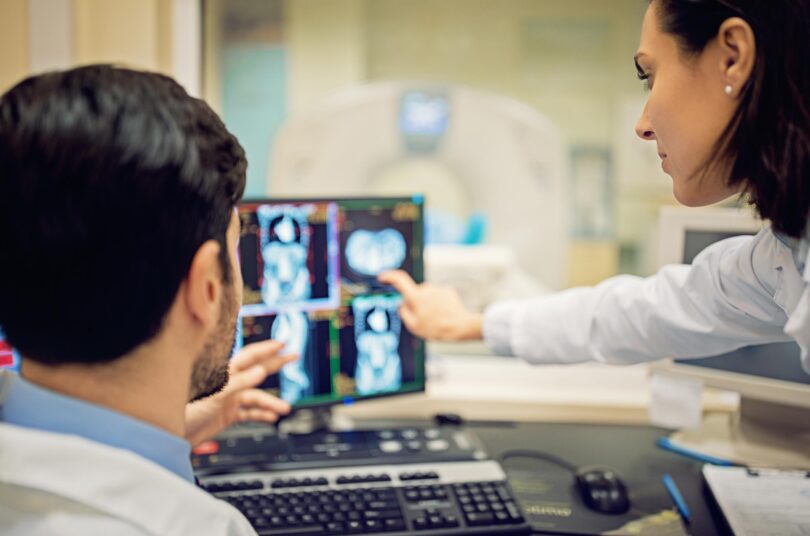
(686, 111)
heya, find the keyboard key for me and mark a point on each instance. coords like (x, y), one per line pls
(421, 523)
(478, 519)
(373, 525)
(503, 493)
(293, 531)
(382, 505)
(395, 524)
(382, 514)
(514, 512)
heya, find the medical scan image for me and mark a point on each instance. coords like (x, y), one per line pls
(292, 329)
(376, 238)
(284, 235)
(309, 272)
(377, 331)
(371, 252)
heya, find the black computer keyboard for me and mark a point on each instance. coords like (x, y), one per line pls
(431, 499)
(260, 448)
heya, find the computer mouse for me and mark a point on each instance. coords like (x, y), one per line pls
(603, 491)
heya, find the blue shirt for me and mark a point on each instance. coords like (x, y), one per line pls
(31, 406)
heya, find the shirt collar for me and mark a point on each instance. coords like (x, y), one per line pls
(32, 406)
(802, 253)
(800, 248)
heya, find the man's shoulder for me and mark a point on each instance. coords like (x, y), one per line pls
(102, 484)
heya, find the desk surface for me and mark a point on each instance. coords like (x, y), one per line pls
(630, 450)
(504, 388)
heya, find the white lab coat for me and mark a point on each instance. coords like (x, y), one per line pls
(738, 292)
(57, 484)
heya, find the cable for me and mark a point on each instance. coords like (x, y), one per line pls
(537, 455)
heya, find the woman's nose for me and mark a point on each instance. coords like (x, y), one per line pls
(643, 128)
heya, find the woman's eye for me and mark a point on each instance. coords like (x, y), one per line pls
(646, 79)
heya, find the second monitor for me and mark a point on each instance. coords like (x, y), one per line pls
(310, 270)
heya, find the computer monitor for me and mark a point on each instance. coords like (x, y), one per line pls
(772, 425)
(310, 270)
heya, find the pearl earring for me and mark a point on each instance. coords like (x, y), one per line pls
(728, 89)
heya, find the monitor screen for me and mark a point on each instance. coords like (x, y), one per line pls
(310, 271)
(777, 361)
(424, 114)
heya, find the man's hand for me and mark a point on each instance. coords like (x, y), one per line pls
(239, 401)
(431, 312)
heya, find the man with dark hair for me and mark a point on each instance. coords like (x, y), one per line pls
(119, 285)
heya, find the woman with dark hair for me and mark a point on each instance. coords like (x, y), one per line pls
(729, 112)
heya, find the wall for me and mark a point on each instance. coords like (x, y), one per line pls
(13, 42)
(327, 45)
(135, 33)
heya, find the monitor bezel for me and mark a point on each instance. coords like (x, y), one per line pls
(419, 200)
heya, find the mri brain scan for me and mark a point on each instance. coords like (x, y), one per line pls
(292, 328)
(371, 252)
(377, 329)
(284, 248)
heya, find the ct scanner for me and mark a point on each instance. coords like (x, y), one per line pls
(489, 167)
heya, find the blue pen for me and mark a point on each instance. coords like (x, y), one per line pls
(677, 498)
(666, 444)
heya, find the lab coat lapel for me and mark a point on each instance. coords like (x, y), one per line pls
(113, 481)
(798, 325)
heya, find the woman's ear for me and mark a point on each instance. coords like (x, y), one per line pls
(737, 52)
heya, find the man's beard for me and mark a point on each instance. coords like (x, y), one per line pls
(210, 373)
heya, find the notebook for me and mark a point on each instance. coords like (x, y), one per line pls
(756, 502)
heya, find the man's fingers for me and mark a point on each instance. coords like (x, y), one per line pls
(400, 280)
(255, 353)
(259, 415)
(274, 363)
(256, 398)
(244, 379)
(253, 376)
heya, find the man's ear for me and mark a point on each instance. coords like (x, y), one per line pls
(738, 52)
(202, 289)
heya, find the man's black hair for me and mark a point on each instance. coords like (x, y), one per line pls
(110, 181)
(768, 139)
